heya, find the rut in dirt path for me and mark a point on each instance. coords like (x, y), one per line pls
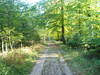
(50, 63)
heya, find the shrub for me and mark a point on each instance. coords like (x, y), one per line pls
(17, 63)
(75, 41)
(95, 42)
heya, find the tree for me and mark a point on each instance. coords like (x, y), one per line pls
(62, 21)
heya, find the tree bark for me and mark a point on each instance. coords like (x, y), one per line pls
(6, 47)
(62, 22)
(11, 46)
(2, 46)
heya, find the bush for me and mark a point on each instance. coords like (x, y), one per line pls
(95, 42)
(3, 68)
(79, 64)
(75, 41)
(17, 63)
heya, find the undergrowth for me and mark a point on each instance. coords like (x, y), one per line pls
(79, 63)
(18, 62)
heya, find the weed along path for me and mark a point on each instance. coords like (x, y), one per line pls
(50, 63)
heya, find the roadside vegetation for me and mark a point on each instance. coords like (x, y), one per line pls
(75, 23)
(81, 62)
(20, 61)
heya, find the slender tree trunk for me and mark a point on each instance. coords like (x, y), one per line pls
(6, 47)
(21, 45)
(62, 22)
(11, 46)
(91, 33)
(10, 43)
(2, 46)
(58, 36)
(79, 20)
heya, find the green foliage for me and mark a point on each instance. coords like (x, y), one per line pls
(76, 21)
(18, 23)
(75, 41)
(17, 64)
(95, 42)
(80, 64)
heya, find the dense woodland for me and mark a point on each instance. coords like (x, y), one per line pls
(74, 22)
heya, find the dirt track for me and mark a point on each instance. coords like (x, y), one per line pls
(50, 63)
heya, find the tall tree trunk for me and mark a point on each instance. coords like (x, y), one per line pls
(11, 46)
(62, 22)
(2, 45)
(10, 43)
(6, 47)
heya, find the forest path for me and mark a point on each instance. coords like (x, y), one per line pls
(50, 63)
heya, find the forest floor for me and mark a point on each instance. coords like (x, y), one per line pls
(50, 62)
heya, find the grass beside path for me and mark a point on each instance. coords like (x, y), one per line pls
(80, 64)
(19, 62)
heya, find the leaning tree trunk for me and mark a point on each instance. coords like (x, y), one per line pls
(10, 43)
(11, 46)
(62, 22)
